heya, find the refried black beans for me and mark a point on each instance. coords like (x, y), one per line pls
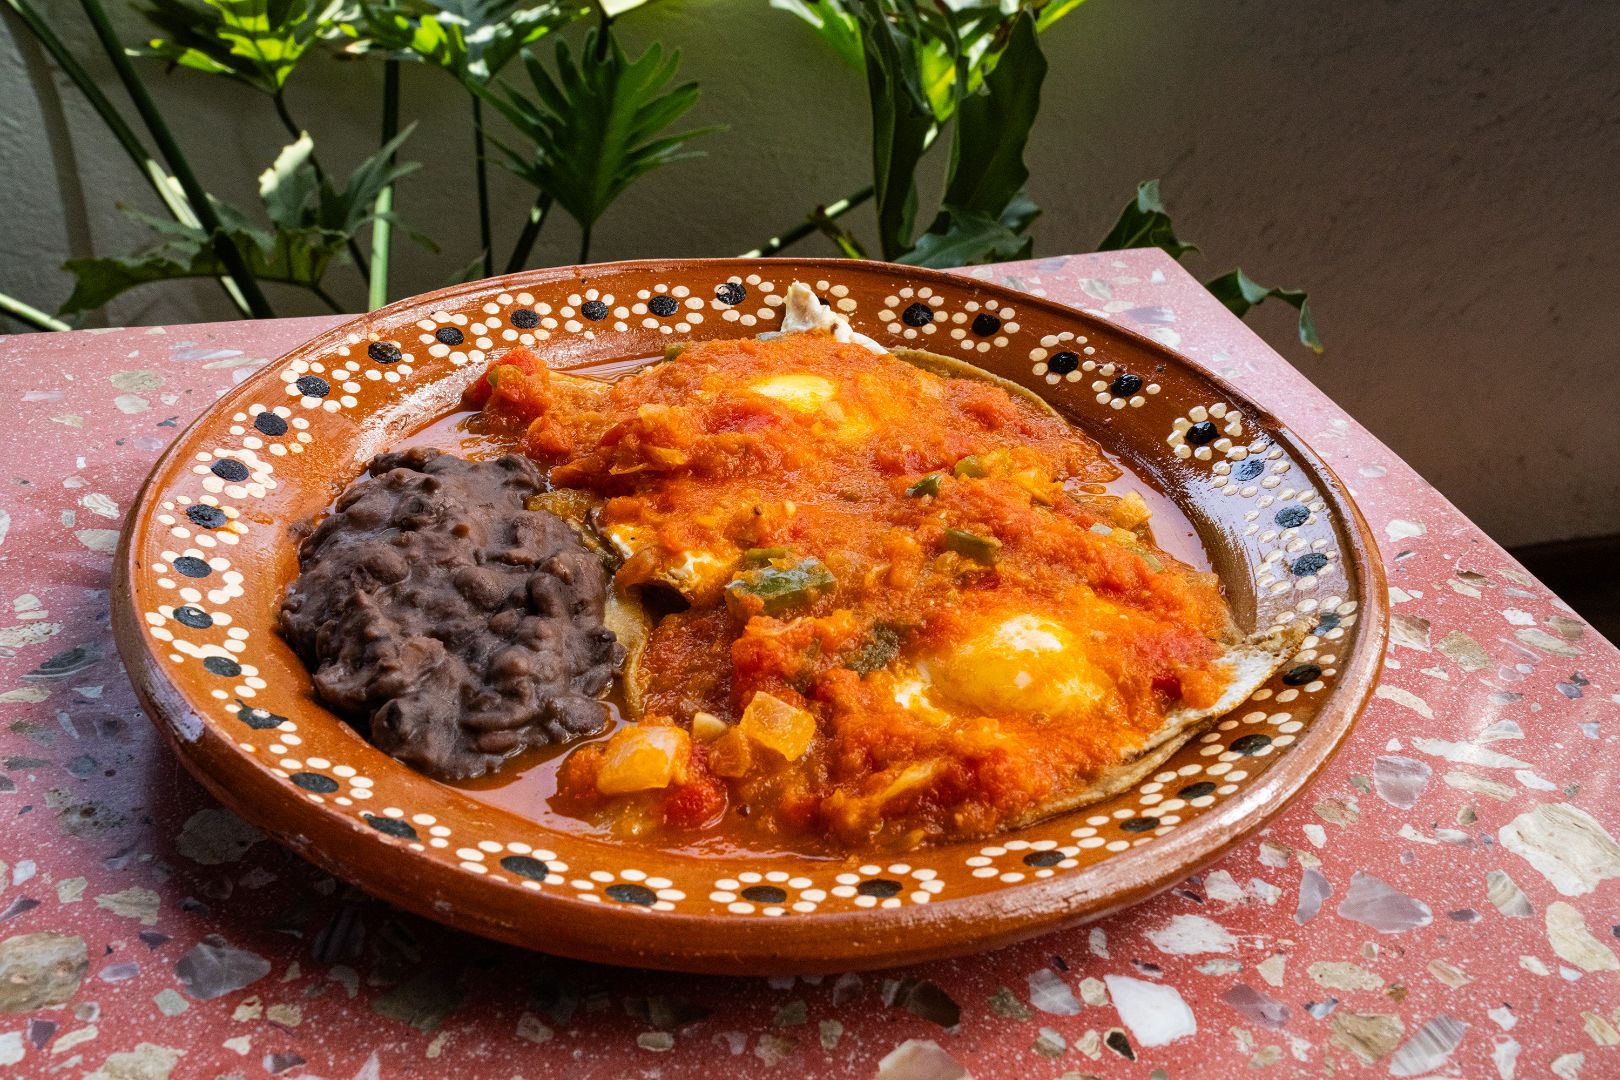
(455, 624)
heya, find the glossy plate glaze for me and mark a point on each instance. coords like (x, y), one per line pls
(210, 546)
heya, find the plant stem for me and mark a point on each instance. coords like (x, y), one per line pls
(382, 229)
(296, 130)
(484, 235)
(224, 248)
(155, 174)
(585, 245)
(811, 224)
(30, 315)
(531, 232)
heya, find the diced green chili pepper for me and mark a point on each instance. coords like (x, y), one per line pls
(928, 485)
(756, 556)
(978, 548)
(879, 649)
(970, 466)
(779, 589)
(674, 349)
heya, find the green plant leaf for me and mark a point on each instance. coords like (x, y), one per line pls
(970, 237)
(597, 125)
(311, 222)
(993, 123)
(833, 24)
(901, 120)
(1052, 12)
(1239, 292)
(1144, 223)
(473, 40)
(257, 42)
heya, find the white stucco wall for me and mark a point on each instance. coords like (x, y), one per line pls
(1443, 175)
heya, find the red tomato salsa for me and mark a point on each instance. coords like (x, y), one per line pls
(896, 609)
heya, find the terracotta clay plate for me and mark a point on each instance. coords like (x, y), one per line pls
(208, 552)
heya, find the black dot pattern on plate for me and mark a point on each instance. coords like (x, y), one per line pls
(1302, 674)
(258, 719)
(194, 617)
(985, 324)
(881, 888)
(1292, 516)
(593, 310)
(1249, 469)
(917, 315)
(525, 866)
(222, 665)
(1326, 623)
(229, 469)
(384, 352)
(388, 826)
(191, 566)
(764, 894)
(1043, 858)
(1201, 433)
(626, 893)
(1125, 384)
(1064, 362)
(1139, 824)
(663, 306)
(313, 386)
(1251, 744)
(731, 293)
(1309, 563)
(449, 335)
(314, 781)
(1196, 791)
(525, 318)
(270, 424)
(207, 517)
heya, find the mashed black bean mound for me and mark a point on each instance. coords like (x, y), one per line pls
(453, 623)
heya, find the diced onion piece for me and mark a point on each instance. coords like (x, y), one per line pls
(642, 758)
(731, 755)
(707, 727)
(778, 726)
(1131, 512)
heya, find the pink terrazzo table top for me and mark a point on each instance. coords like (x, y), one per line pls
(1440, 903)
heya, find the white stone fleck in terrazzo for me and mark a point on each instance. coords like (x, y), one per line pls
(1572, 941)
(1401, 529)
(1375, 903)
(1468, 754)
(1569, 1066)
(1409, 631)
(1342, 975)
(921, 1059)
(1406, 698)
(1505, 1056)
(1097, 940)
(1429, 1048)
(1400, 780)
(1533, 782)
(1154, 1012)
(1507, 897)
(11, 1047)
(1190, 935)
(1313, 889)
(1220, 885)
(1565, 844)
(1050, 994)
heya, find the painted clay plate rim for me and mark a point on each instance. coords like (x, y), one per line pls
(550, 914)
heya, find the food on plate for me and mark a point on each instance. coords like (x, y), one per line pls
(447, 620)
(867, 599)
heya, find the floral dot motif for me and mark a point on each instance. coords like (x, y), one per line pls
(313, 386)
(1117, 388)
(399, 830)
(271, 424)
(912, 313)
(449, 335)
(731, 293)
(1208, 430)
(384, 352)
